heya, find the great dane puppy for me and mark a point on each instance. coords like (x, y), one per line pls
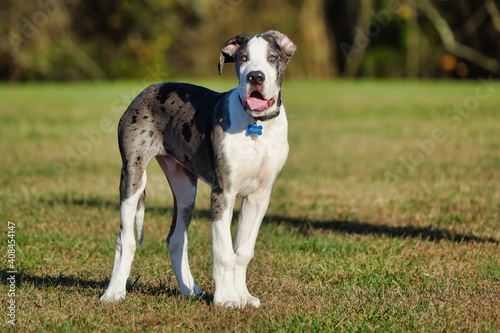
(234, 141)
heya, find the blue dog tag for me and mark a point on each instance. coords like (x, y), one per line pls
(254, 129)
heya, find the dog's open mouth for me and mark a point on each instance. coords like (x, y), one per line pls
(256, 102)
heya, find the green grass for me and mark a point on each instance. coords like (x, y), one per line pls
(365, 231)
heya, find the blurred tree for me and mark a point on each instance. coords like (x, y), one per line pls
(362, 35)
(317, 41)
(451, 44)
(90, 39)
(412, 41)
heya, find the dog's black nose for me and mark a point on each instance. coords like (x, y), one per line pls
(256, 78)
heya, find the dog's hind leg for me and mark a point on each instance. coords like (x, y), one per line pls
(139, 218)
(132, 185)
(183, 184)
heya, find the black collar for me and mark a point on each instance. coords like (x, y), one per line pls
(271, 115)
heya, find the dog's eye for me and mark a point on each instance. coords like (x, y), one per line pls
(273, 58)
(243, 58)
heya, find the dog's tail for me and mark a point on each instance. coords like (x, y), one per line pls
(139, 218)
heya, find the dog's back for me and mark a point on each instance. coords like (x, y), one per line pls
(174, 119)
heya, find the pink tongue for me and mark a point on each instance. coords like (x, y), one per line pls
(257, 104)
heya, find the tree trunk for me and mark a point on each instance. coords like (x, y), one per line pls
(361, 39)
(317, 43)
(412, 43)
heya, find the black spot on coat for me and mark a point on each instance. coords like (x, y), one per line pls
(186, 132)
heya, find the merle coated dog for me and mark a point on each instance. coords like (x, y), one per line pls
(234, 141)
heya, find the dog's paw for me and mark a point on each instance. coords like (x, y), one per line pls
(227, 299)
(115, 297)
(232, 304)
(197, 291)
(253, 301)
(194, 292)
(246, 298)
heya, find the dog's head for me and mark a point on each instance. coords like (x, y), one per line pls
(260, 65)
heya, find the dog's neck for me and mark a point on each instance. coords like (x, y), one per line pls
(271, 115)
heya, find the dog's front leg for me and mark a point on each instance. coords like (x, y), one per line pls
(223, 257)
(253, 209)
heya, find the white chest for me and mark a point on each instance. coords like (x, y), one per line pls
(255, 161)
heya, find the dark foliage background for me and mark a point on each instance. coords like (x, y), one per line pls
(118, 39)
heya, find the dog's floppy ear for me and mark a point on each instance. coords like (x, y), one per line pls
(284, 42)
(287, 45)
(229, 48)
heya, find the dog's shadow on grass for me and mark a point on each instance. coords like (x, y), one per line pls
(305, 225)
(51, 282)
(364, 228)
(72, 282)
